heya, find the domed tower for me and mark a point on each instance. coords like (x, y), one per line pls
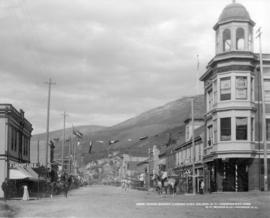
(232, 148)
(234, 29)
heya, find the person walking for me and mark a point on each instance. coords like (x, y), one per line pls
(202, 187)
(5, 189)
(25, 193)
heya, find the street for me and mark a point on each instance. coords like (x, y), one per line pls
(108, 201)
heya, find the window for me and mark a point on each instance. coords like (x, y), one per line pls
(252, 89)
(215, 92)
(241, 87)
(215, 131)
(225, 88)
(210, 99)
(267, 90)
(187, 133)
(241, 128)
(210, 135)
(225, 129)
(240, 36)
(267, 129)
(227, 40)
(252, 129)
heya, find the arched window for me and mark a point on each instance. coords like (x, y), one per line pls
(240, 39)
(227, 42)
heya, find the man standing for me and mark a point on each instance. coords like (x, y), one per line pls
(5, 189)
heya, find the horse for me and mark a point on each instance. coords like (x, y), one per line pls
(157, 183)
(171, 183)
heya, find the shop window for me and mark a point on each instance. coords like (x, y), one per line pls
(241, 87)
(227, 42)
(225, 129)
(241, 128)
(225, 88)
(240, 39)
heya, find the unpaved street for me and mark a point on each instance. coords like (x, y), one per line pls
(107, 201)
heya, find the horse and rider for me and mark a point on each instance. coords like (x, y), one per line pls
(163, 182)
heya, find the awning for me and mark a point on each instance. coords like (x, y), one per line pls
(20, 172)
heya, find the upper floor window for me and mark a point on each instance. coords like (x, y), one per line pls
(227, 42)
(267, 129)
(240, 39)
(252, 88)
(210, 135)
(241, 128)
(215, 92)
(209, 99)
(225, 88)
(252, 129)
(241, 87)
(225, 129)
(267, 90)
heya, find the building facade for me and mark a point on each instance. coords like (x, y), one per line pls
(15, 134)
(233, 150)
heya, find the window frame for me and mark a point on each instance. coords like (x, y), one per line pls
(226, 129)
(224, 89)
(238, 129)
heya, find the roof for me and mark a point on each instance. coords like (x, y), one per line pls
(234, 12)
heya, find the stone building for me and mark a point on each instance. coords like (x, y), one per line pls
(233, 149)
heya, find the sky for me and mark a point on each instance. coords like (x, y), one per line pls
(110, 59)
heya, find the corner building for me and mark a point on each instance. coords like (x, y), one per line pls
(233, 149)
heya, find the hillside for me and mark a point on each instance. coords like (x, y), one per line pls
(136, 135)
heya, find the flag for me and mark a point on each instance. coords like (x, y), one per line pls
(77, 133)
(143, 138)
(100, 141)
(90, 146)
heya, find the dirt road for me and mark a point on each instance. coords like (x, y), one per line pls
(106, 201)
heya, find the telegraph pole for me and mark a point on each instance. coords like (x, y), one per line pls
(193, 147)
(64, 138)
(259, 33)
(50, 83)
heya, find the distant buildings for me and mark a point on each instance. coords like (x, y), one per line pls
(15, 134)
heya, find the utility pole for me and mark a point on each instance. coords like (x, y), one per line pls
(50, 83)
(38, 152)
(193, 147)
(259, 33)
(64, 138)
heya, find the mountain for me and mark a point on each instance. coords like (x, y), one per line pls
(134, 136)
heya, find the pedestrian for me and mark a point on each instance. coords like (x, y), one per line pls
(66, 188)
(25, 193)
(202, 187)
(5, 189)
(52, 187)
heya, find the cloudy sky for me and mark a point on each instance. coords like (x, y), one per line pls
(110, 59)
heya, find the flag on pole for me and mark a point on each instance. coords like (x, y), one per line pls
(90, 146)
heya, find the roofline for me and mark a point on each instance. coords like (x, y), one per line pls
(219, 23)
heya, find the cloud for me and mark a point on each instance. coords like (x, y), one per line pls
(111, 60)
